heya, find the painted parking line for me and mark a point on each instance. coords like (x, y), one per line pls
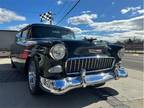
(135, 61)
(135, 54)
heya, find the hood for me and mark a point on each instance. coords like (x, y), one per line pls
(84, 48)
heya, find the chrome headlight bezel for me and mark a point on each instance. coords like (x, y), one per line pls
(58, 51)
(121, 53)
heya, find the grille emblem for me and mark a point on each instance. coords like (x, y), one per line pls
(95, 51)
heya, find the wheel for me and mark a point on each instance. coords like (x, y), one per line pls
(12, 64)
(33, 77)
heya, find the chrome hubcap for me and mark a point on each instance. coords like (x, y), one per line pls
(32, 75)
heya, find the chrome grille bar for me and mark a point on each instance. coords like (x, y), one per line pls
(78, 64)
(94, 63)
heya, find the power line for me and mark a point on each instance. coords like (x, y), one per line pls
(63, 9)
(68, 12)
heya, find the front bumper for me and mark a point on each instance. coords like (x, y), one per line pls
(61, 86)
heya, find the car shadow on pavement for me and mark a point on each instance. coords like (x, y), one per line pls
(77, 98)
(14, 93)
(8, 74)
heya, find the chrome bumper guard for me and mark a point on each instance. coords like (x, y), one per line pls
(63, 85)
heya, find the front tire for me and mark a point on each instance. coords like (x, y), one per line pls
(33, 77)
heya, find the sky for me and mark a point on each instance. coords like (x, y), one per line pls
(110, 20)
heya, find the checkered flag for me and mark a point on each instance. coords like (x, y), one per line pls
(46, 17)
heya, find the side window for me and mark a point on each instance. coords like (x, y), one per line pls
(24, 35)
(18, 36)
(29, 33)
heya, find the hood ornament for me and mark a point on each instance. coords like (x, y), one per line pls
(90, 39)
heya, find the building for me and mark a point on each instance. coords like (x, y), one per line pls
(7, 37)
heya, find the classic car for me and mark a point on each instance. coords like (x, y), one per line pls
(56, 62)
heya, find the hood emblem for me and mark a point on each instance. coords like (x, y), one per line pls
(95, 51)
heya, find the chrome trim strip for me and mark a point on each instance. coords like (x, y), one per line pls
(88, 63)
(92, 63)
(79, 64)
(92, 71)
(103, 62)
(85, 64)
(70, 65)
(74, 65)
(106, 62)
(82, 64)
(95, 63)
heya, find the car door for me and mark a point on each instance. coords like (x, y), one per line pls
(19, 49)
(14, 48)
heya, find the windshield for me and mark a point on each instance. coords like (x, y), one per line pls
(52, 32)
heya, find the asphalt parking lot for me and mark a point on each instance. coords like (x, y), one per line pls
(133, 61)
(123, 93)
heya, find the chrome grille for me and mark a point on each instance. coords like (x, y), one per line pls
(75, 65)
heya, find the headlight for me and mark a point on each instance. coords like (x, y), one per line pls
(57, 52)
(121, 52)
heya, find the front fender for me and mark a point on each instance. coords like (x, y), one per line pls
(113, 50)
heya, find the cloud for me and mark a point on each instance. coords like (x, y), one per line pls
(120, 25)
(85, 12)
(114, 37)
(17, 27)
(113, 3)
(130, 9)
(8, 16)
(124, 11)
(141, 11)
(59, 2)
(115, 30)
(86, 18)
(123, 36)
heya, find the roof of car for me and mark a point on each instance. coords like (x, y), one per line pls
(8, 30)
(43, 25)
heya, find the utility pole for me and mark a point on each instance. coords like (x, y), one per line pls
(48, 16)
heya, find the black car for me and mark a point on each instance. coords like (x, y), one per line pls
(56, 62)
